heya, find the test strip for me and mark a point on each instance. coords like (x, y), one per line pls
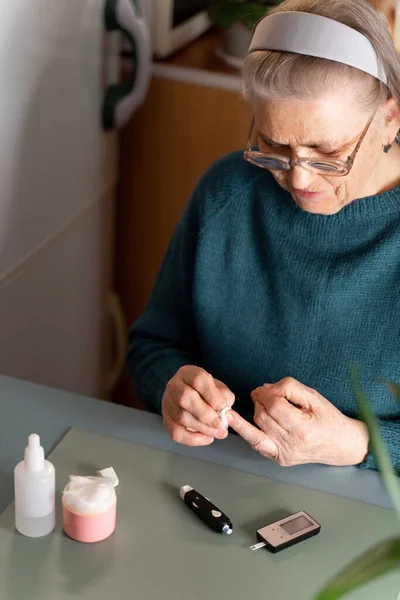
(258, 546)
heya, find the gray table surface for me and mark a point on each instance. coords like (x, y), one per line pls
(26, 408)
(161, 550)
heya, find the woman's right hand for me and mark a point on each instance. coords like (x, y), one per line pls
(190, 406)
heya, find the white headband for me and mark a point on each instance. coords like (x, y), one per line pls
(313, 35)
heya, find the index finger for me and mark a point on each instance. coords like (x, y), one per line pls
(203, 383)
(258, 440)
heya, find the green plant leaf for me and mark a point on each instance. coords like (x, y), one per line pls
(228, 3)
(227, 12)
(389, 475)
(392, 387)
(395, 390)
(377, 561)
(251, 18)
(385, 556)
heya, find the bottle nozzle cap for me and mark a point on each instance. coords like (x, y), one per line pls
(34, 441)
(34, 454)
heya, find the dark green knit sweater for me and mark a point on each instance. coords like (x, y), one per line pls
(254, 289)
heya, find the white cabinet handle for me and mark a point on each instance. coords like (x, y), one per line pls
(122, 100)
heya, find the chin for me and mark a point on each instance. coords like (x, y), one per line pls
(318, 208)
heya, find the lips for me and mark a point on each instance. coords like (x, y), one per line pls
(304, 195)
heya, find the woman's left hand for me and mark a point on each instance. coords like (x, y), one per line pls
(298, 425)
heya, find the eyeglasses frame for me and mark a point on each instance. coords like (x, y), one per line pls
(251, 155)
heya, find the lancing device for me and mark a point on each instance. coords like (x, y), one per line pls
(206, 510)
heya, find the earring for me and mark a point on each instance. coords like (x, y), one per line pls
(387, 148)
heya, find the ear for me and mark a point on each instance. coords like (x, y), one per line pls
(391, 115)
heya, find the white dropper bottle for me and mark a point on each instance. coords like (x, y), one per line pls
(34, 486)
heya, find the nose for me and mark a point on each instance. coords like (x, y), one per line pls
(300, 178)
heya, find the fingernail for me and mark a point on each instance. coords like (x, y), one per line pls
(207, 440)
(216, 423)
(230, 416)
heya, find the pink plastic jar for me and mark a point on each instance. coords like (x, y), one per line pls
(89, 526)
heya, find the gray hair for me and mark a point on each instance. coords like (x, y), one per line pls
(283, 75)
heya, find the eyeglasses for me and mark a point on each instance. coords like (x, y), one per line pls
(331, 167)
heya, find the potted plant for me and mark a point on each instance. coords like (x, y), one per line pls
(237, 18)
(385, 556)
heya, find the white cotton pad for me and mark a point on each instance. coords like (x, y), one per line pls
(222, 416)
(89, 495)
(109, 472)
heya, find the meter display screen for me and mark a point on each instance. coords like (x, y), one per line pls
(296, 525)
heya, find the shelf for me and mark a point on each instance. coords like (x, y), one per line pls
(201, 54)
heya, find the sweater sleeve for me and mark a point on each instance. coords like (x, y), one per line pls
(390, 433)
(164, 338)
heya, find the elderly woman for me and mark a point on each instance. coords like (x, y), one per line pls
(285, 266)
